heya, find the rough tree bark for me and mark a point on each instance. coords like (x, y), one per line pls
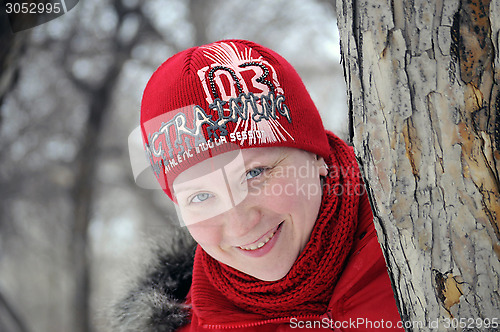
(424, 100)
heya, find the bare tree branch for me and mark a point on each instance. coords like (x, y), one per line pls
(13, 317)
(101, 97)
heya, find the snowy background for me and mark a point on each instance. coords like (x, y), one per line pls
(73, 223)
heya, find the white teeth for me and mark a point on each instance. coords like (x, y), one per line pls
(261, 244)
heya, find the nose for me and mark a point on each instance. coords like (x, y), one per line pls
(241, 219)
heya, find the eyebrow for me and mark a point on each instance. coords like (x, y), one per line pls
(274, 159)
(193, 183)
(248, 160)
(190, 185)
(181, 188)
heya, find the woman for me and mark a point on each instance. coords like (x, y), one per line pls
(275, 203)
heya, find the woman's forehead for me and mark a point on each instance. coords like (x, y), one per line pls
(271, 153)
(234, 161)
(260, 153)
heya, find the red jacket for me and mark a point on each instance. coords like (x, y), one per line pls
(363, 299)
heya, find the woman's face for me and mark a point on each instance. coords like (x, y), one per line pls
(253, 209)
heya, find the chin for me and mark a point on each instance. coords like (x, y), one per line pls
(274, 275)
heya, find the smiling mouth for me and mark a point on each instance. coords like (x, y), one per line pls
(262, 242)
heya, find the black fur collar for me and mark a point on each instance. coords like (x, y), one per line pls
(154, 302)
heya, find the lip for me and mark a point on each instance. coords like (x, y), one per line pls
(262, 237)
(266, 247)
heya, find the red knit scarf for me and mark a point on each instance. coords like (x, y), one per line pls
(308, 286)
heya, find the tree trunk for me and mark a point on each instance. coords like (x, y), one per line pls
(422, 79)
(11, 48)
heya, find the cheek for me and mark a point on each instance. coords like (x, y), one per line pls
(285, 194)
(206, 233)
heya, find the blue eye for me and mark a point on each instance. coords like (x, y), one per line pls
(254, 173)
(200, 197)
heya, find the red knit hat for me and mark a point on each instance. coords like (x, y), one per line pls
(231, 94)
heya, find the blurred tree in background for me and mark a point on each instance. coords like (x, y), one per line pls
(71, 216)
